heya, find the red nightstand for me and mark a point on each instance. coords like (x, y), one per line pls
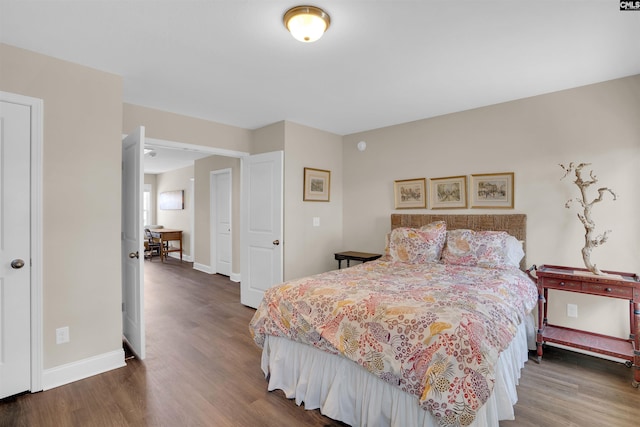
(613, 285)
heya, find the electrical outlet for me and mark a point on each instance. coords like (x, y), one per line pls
(62, 335)
(316, 221)
(572, 310)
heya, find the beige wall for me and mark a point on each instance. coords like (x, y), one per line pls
(269, 138)
(188, 130)
(597, 124)
(178, 219)
(81, 200)
(202, 231)
(309, 249)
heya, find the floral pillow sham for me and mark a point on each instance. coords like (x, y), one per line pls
(417, 245)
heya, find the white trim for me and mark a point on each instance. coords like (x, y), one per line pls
(192, 217)
(81, 369)
(37, 110)
(161, 143)
(235, 277)
(202, 267)
(148, 188)
(176, 255)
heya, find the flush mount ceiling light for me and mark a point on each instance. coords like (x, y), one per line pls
(306, 23)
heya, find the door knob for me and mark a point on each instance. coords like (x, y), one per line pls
(17, 263)
(133, 254)
(276, 242)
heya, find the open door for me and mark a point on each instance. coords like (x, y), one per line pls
(261, 228)
(132, 245)
(15, 250)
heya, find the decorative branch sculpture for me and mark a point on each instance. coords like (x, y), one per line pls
(590, 241)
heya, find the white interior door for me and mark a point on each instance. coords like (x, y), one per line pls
(261, 228)
(132, 244)
(221, 219)
(15, 250)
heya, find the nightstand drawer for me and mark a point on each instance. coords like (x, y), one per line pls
(608, 290)
(562, 284)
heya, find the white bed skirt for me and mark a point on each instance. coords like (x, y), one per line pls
(345, 391)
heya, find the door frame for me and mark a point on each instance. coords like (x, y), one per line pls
(211, 151)
(213, 227)
(36, 108)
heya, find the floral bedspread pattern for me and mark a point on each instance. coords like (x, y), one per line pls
(433, 330)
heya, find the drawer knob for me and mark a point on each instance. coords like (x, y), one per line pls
(562, 284)
(608, 289)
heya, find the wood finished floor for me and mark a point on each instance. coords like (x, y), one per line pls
(203, 369)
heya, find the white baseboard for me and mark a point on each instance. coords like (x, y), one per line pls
(235, 277)
(176, 255)
(85, 368)
(202, 267)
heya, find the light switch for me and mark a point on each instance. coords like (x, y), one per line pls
(316, 221)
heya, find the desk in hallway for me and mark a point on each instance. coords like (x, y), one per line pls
(166, 235)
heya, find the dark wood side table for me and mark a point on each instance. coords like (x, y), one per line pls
(613, 285)
(355, 256)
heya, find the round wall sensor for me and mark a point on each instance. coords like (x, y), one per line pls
(362, 145)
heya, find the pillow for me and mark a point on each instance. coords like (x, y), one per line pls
(515, 251)
(491, 249)
(418, 245)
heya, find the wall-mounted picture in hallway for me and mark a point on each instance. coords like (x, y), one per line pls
(171, 200)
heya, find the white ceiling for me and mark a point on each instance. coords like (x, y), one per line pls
(380, 63)
(166, 159)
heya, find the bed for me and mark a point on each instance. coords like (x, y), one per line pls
(431, 334)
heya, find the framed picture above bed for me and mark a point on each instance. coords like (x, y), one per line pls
(410, 193)
(317, 185)
(448, 193)
(492, 190)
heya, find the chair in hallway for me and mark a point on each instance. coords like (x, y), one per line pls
(152, 246)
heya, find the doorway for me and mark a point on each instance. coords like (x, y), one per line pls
(220, 196)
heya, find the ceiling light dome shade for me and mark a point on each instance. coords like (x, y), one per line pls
(306, 23)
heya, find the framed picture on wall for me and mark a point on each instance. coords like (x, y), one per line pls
(317, 185)
(492, 190)
(448, 193)
(410, 193)
(171, 200)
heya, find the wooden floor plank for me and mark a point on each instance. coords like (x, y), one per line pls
(203, 369)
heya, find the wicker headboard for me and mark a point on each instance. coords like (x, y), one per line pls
(514, 224)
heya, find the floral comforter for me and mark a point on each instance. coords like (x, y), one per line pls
(433, 330)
